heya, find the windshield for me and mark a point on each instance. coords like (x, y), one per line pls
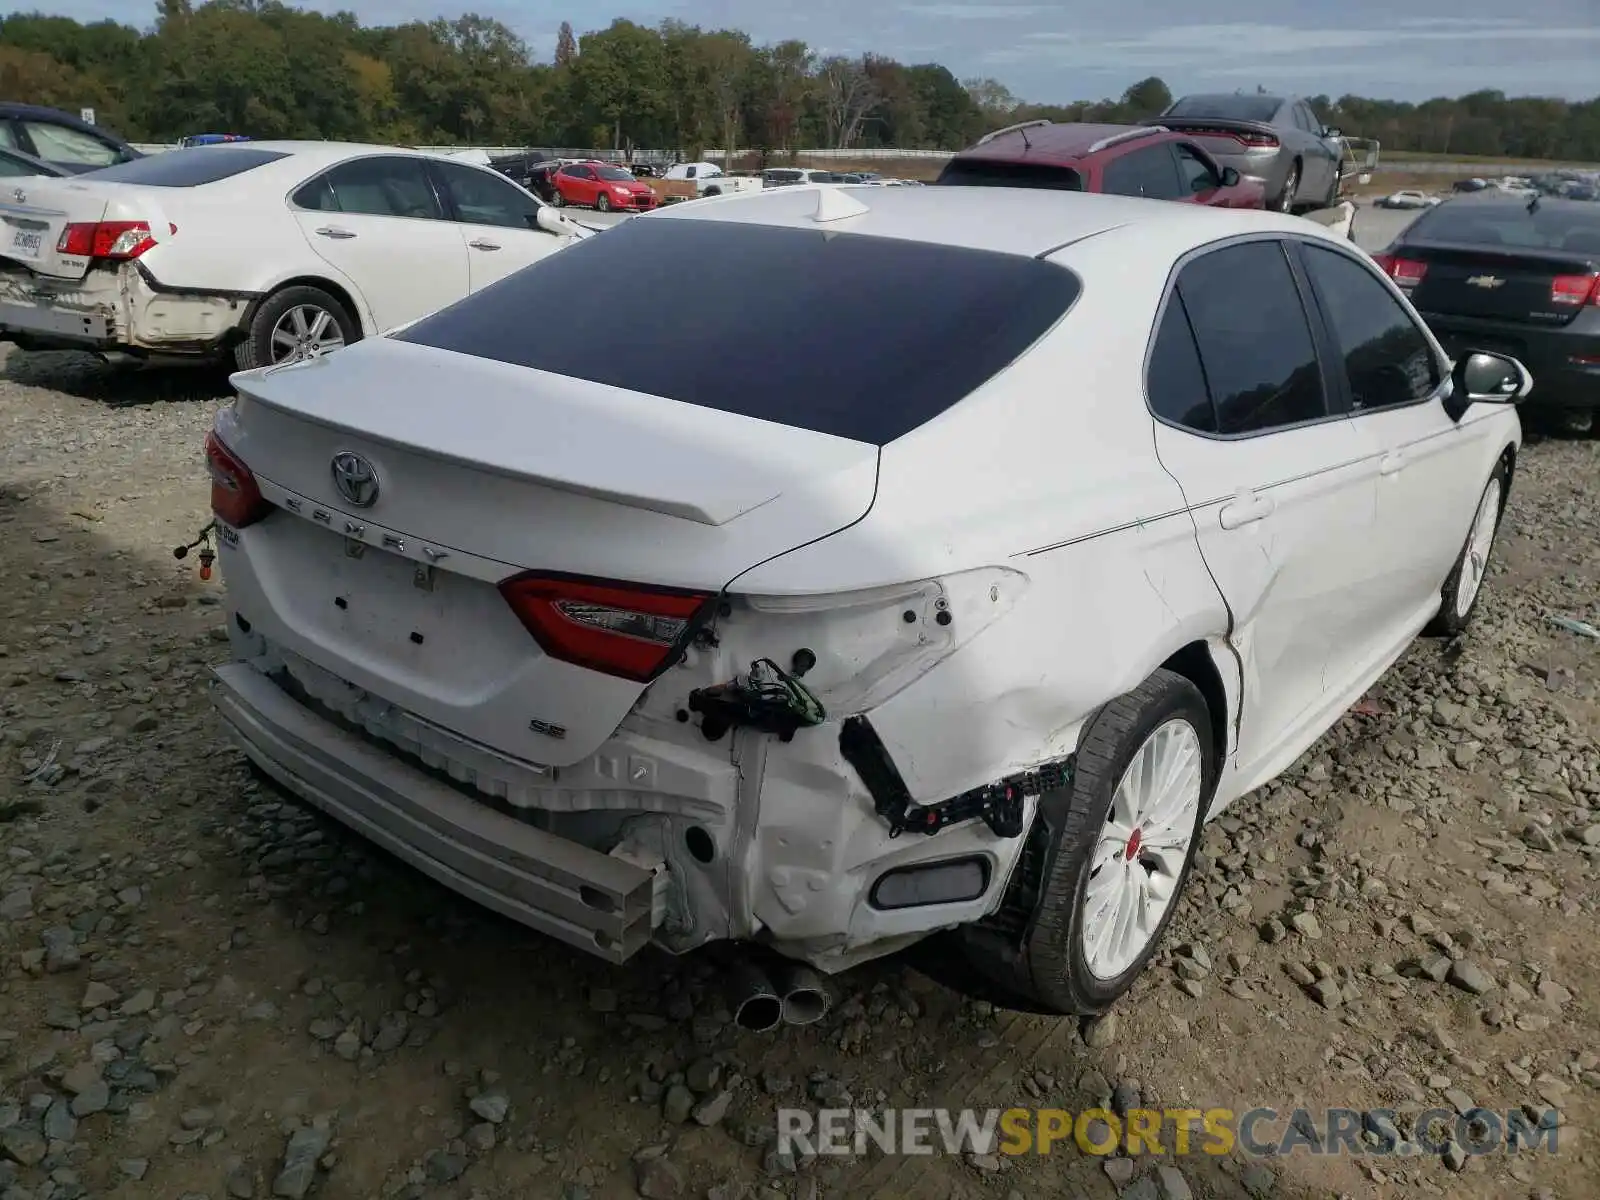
(1551, 226)
(868, 338)
(614, 174)
(1227, 108)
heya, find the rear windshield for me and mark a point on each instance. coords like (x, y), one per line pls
(866, 338)
(187, 168)
(974, 172)
(1227, 108)
(1551, 226)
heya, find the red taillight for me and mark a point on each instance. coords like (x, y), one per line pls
(235, 498)
(1575, 289)
(1257, 141)
(107, 239)
(622, 629)
(1406, 272)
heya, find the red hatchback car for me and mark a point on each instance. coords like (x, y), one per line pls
(603, 186)
(1124, 160)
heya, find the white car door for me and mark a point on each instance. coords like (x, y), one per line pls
(1431, 469)
(380, 223)
(498, 223)
(1281, 487)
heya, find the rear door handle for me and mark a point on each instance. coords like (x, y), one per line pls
(481, 244)
(1245, 508)
(1391, 462)
(333, 231)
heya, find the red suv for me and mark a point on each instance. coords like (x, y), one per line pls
(603, 186)
(1124, 160)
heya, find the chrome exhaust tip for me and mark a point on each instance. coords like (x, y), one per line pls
(757, 1005)
(805, 999)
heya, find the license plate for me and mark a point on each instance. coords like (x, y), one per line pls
(26, 243)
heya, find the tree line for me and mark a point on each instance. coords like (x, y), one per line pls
(263, 68)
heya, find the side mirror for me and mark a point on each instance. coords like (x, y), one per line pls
(1230, 177)
(551, 221)
(1481, 377)
(1332, 131)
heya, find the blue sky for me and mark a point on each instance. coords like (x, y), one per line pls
(1074, 49)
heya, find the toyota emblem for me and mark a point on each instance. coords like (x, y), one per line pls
(355, 479)
(20, 196)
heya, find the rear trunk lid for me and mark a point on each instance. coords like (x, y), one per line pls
(1517, 286)
(484, 471)
(1221, 135)
(34, 213)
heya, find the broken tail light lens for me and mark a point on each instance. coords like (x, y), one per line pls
(622, 629)
(235, 498)
(1406, 272)
(119, 240)
(1575, 289)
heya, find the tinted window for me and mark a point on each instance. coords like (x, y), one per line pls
(1198, 175)
(8, 136)
(972, 172)
(868, 337)
(1174, 381)
(380, 187)
(1554, 225)
(1229, 108)
(484, 199)
(13, 167)
(1385, 355)
(615, 174)
(187, 168)
(1255, 343)
(1149, 172)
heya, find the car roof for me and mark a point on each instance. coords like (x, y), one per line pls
(1262, 96)
(1024, 221)
(1066, 141)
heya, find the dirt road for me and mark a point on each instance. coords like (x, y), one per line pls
(207, 991)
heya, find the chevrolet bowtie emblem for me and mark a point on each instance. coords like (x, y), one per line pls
(1486, 281)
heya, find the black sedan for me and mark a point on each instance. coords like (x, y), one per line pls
(1516, 275)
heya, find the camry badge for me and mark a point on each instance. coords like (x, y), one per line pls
(1486, 281)
(355, 479)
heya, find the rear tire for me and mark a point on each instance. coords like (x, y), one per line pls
(1286, 199)
(1072, 959)
(1458, 597)
(296, 322)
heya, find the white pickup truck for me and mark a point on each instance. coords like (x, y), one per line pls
(710, 179)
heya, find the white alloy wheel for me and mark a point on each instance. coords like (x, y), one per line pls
(1139, 858)
(1476, 562)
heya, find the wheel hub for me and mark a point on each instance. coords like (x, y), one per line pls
(1130, 853)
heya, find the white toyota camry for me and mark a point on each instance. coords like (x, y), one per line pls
(950, 587)
(270, 251)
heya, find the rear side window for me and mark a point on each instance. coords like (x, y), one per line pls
(1175, 381)
(1150, 172)
(62, 144)
(1254, 340)
(187, 168)
(381, 186)
(975, 172)
(868, 338)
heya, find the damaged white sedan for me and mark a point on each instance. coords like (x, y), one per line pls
(263, 252)
(947, 589)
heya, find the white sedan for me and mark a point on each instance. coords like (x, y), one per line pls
(269, 251)
(1408, 199)
(1050, 526)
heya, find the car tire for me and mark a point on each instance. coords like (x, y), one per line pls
(284, 312)
(1458, 596)
(602, 203)
(558, 199)
(712, 191)
(1285, 202)
(1060, 966)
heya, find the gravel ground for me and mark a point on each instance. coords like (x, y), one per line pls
(208, 991)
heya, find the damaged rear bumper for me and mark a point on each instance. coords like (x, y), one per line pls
(116, 310)
(596, 902)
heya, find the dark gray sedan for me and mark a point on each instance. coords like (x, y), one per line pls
(1274, 138)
